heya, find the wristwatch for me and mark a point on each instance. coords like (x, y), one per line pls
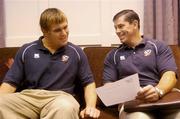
(160, 92)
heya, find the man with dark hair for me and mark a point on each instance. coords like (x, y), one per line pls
(49, 68)
(151, 59)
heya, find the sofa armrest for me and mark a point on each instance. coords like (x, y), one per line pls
(6, 60)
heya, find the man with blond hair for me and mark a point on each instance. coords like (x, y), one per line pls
(48, 69)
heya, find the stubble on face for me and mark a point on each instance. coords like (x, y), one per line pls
(58, 34)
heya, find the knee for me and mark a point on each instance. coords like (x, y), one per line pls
(139, 115)
(66, 106)
(61, 109)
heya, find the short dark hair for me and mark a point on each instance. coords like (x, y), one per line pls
(130, 16)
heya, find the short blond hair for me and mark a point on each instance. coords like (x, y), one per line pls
(51, 16)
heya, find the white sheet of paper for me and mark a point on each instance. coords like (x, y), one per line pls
(120, 91)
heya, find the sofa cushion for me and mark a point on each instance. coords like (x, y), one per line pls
(96, 56)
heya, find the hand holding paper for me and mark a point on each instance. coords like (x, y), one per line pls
(120, 91)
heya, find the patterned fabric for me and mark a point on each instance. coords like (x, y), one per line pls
(161, 20)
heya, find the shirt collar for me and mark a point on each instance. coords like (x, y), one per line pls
(41, 46)
(141, 44)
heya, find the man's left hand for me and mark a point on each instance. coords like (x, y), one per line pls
(148, 94)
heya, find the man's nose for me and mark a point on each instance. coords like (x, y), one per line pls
(63, 32)
(118, 30)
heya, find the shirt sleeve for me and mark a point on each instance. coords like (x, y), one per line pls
(110, 73)
(165, 59)
(84, 71)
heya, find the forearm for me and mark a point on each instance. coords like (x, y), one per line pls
(90, 95)
(167, 81)
(90, 98)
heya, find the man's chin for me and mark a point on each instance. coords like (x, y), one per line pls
(123, 40)
(64, 43)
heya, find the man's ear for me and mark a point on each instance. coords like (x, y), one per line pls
(135, 23)
(44, 31)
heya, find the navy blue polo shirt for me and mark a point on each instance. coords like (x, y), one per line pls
(37, 68)
(149, 59)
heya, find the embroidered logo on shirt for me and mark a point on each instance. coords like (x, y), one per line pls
(147, 52)
(36, 55)
(64, 58)
(122, 58)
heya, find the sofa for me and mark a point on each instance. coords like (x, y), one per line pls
(95, 57)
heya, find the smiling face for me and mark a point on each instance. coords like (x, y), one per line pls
(127, 25)
(125, 30)
(54, 25)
